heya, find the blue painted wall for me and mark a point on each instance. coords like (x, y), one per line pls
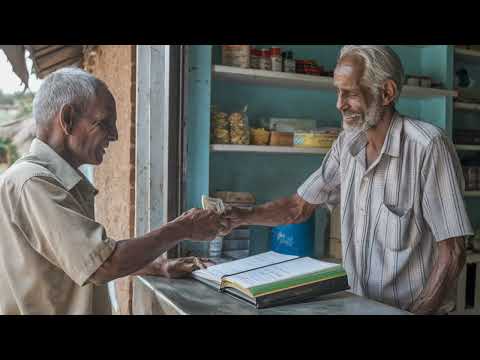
(198, 123)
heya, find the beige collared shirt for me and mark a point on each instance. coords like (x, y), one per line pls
(393, 213)
(50, 243)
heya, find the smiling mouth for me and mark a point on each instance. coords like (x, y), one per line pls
(351, 117)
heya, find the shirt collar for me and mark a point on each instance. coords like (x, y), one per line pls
(391, 145)
(68, 176)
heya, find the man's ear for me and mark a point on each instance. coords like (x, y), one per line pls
(390, 91)
(66, 119)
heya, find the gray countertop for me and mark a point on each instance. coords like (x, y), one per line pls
(190, 297)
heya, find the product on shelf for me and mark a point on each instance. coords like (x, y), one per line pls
(289, 65)
(220, 128)
(291, 124)
(239, 132)
(421, 81)
(471, 174)
(229, 197)
(466, 136)
(308, 67)
(236, 55)
(254, 58)
(265, 61)
(276, 58)
(259, 136)
(278, 138)
(320, 138)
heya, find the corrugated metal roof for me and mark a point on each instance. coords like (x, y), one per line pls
(46, 58)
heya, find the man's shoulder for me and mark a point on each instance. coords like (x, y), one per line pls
(421, 132)
(26, 168)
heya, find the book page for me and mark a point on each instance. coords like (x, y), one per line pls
(216, 272)
(279, 272)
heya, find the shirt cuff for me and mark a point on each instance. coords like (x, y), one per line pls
(97, 257)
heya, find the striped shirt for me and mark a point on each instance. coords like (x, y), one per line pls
(394, 212)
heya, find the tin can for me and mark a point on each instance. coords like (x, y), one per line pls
(254, 58)
(215, 247)
(265, 60)
(276, 56)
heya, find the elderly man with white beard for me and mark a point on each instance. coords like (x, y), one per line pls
(399, 185)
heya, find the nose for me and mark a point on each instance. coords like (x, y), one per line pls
(341, 104)
(113, 136)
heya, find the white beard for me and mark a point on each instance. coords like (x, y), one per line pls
(368, 120)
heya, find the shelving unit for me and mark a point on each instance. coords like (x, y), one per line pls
(472, 194)
(281, 79)
(467, 56)
(267, 149)
(467, 106)
(468, 147)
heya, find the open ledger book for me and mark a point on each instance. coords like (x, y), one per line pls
(271, 279)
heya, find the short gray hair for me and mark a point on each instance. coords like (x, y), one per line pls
(65, 86)
(381, 64)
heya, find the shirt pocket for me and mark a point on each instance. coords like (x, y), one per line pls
(395, 226)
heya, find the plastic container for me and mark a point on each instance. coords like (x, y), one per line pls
(239, 129)
(294, 239)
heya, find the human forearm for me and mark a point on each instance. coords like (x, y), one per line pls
(288, 210)
(451, 260)
(135, 255)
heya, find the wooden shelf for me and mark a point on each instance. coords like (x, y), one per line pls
(473, 257)
(267, 149)
(253, 76)
(467, 56)
(468, 147)
(470, 194)
(467, 106)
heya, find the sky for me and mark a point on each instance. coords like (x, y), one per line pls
(10, 82)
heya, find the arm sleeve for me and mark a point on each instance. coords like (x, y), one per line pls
(54, 224)
(442, 186)
(323, 186)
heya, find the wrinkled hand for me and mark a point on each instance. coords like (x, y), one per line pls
(421, 307)
(183, 267)
(233, 217)
(201, 224)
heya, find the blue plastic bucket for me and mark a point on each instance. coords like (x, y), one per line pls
(294, 239)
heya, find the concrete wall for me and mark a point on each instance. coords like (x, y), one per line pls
(115, 177)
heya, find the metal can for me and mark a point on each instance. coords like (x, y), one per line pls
(215, 247)
(265, 60)
(276, 56)
(254, 59)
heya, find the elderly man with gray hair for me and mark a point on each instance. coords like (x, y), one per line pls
(399, 185)
(54, 257)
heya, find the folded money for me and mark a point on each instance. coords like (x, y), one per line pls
(209, 203)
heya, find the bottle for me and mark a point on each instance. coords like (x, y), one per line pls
(290, 62)
(276, 56)
(284, 58)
